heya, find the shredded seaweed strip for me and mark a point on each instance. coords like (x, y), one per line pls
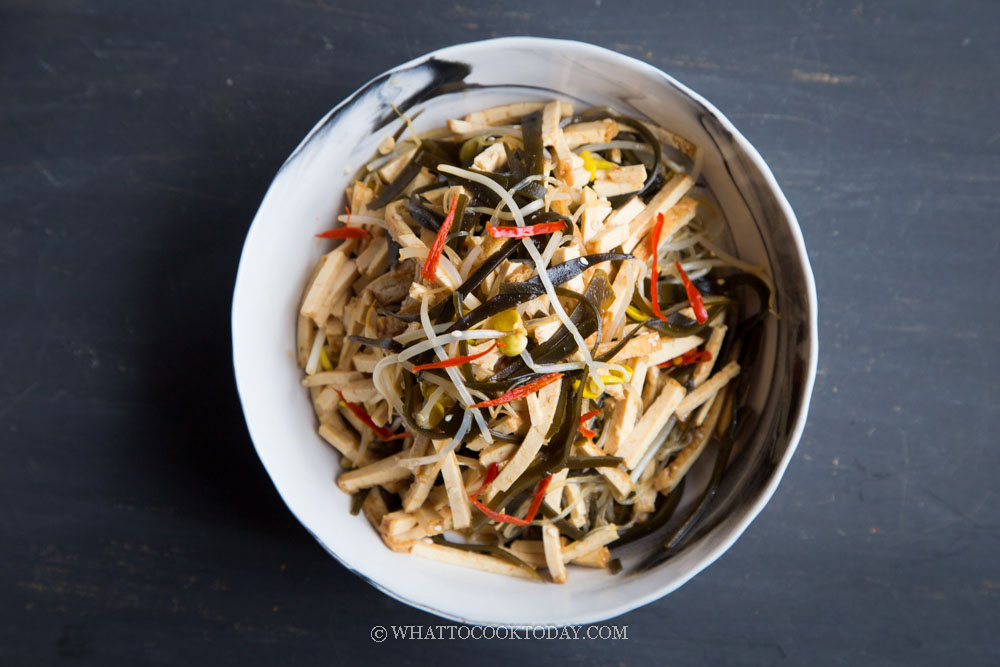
(514, 294)
(380, 343)
(394, 189)
(664, 512)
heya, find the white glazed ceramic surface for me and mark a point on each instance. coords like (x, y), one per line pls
(307, 194)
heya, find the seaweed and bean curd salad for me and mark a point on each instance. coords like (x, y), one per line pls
(528, 332)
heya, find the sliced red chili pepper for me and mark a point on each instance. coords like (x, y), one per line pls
(434, 256)
(691, 357)
(584, 431)
(654, 242)
(497, 516)
(502, 517)
(536, 502)
(694, 296)
(525, 231)
(491, 474)
(455, 361)
(345, 233)
(519, 392)
(382, 432)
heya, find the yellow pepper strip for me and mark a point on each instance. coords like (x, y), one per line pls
(324, 360)
(587, 392)
(636, 314)
(588, 164)
(624, 375)
(592, 164)
(590, 391)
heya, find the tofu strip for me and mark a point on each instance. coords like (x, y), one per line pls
(491, 159)
(343, 441)
(509, 113)
(626, 410)
(714, 344)
(461, 511)
(498, 452)
(673, 347)
(578, 513)
(593, 541)
(707, 390)
(639, 346)
(623, 286)
(597, 558)
(618, 478)
(329, 280)
(469, 559)
(304, 340)
(396, 523)
(374, 508)
(652, 422)
(532, 552)
(553, 498)
(422, 484)
(673, 220)
(380, 472)
(554, 553)
(593, 132)
(518, 463)
(668, 478)
(541, 405)
(661, 202)
(336, 378)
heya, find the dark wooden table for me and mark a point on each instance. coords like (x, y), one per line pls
(136, 140)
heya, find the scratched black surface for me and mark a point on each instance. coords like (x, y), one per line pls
(136, 140)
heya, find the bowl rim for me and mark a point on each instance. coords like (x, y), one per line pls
(752, 510)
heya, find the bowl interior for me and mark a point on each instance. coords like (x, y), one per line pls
(308, 193)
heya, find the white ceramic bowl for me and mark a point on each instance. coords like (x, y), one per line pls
(308, 192)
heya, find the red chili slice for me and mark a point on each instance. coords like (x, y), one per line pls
(382, 432)
(434, 256)
(455, 361)
(694, 296)
(654, 242)
(502, 517)
(527, 230)
(519, 392)
(690, 357)
(345, 233)
(584, 431)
